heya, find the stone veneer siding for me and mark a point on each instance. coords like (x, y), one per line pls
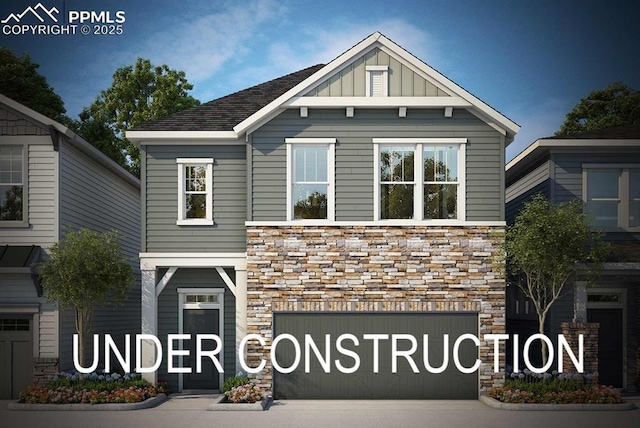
(589, 332)
(376, 269)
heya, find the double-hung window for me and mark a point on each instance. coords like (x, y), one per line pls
(612, 195)
(310, 178)
(195, 191)
(12, 174)
(419, 179)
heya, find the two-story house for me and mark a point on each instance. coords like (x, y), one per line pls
(364, 196)
(601, 168)
(51, 182)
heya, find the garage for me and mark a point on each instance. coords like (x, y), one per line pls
(365, 382)
(16, 355)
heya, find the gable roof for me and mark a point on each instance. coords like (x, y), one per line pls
(70, 136)
(266, 101)
(617, 138)
(224, 113)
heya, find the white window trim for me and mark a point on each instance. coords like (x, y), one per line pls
(418, 196)
(182, 209)
(331, 172)
(25, 191)
(624, 193)
(385, 79)
(182, 304)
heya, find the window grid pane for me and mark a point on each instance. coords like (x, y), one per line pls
(440, 201)
(11, 185)
(634, 198)
(310, 181)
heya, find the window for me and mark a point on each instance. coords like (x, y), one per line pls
(419, 179)
(612, 195)
(377, 83)
(195, 192)
(12, 201)
(310, 176)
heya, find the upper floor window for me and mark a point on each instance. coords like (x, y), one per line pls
(419, 179)
(195, 191)
(11, 183)
(612, 195)
(310, 177)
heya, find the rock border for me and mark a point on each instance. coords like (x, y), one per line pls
(220, 403)
(492, 402)
(148, 403)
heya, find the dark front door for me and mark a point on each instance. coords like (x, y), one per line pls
(609, 345)
(200, 321)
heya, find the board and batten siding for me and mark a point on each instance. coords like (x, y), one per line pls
(354, 157)
(229, 200)
(95, 197)
(168, 315)
(351, 80)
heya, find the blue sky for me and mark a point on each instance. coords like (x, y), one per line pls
(531, 60)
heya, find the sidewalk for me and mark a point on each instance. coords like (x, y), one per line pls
(191, 412)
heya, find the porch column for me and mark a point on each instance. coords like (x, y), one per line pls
(580, 302)
(241, 312)
(149, 321)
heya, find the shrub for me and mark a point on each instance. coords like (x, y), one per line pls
(94, 388)
(233, 381)
(554, 389)
(248, 393)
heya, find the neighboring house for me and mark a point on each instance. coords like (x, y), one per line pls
(601, 168)
(52, 181)
(361, 196)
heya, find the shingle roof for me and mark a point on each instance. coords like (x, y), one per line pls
(224, 113)
(618, 132)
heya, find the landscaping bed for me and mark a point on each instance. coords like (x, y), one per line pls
(94, 388)
(533, 388)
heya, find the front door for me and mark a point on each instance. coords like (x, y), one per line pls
(610, 341)
(200, 321)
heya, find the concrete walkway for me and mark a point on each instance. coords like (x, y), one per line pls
(192, 413)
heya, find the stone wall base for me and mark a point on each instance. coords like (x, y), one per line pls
(571, 332)
(43, 369)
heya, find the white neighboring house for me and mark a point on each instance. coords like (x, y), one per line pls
(52, 181)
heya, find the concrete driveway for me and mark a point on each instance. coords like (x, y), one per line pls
(191, 412)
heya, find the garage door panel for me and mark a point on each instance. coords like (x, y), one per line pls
(5, 369)
(365, 383)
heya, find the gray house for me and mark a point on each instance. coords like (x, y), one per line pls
(52, 181)
(364, 196)
(601, 168)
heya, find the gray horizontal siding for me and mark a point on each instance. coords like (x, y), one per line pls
(94, 197)
(168, 315)
(568, 170)
(520, 191)
(354, 157)
(229, 200)
(41, 210)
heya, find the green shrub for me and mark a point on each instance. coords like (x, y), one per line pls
(233, 381)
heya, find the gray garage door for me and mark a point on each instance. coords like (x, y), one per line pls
(364, 383)
(16, 356)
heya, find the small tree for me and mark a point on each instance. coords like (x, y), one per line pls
(546, 247)
(85, 270)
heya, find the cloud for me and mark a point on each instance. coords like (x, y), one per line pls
(202, 47)
(536, 121)
(323, 44)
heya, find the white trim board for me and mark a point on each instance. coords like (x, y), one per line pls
(378, 223)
